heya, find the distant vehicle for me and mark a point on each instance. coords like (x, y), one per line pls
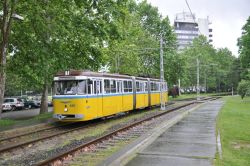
(50, 101)
(31, 104)
(6, 107)
(16, 103)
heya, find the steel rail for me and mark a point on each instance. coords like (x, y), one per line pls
(5, 149)
(36, 131)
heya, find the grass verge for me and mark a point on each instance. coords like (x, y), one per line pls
(6, 123)
(233, 123)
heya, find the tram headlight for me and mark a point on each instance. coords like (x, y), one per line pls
(65, 109)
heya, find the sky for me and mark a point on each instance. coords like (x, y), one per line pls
(227, 17)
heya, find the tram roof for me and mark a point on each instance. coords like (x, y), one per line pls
(71, 73)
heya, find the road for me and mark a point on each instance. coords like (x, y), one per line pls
(23, 114)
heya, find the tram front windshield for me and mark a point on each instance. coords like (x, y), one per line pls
(71, 87)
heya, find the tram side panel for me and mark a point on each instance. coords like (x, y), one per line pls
(93, 107)
(141, 100)
(165, 96)
(154, 98)
(127, 102)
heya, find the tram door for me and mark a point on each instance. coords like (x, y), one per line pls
(98, 92)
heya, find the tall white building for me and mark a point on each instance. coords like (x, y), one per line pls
(187, 27)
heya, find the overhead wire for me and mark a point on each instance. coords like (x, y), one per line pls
(192, 15)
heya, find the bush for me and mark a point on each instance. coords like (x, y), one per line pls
(244, 88)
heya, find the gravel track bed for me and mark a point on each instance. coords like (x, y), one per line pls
(40, 151)
(18, 131)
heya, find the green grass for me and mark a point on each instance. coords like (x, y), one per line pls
(193, 95)
(233, 123)
(5, 123)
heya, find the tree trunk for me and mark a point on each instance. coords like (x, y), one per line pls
(2, 88)
(3, 56)
(44, 100)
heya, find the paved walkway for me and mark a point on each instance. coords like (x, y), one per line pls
(190, 142)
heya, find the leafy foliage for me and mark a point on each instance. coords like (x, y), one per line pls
(244, 88)
(137, 51)
(216, 66)
(244, 45)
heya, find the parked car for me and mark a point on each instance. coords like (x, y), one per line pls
(6, 107)
(15, 103)
(31, 104)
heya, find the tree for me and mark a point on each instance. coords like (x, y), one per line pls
(6, 17)
(217, 66)
(244, 88)
(244, 50)
(139, 41)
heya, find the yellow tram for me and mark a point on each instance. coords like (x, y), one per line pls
(82, 96)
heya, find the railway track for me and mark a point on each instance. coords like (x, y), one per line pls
(8, 144)
(32, 132)
(101, 142)
(13, 142)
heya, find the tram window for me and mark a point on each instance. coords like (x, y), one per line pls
(152, 87)
(106, 86)
(70, 87)
(113, 86)
(119, 87)
(157, 88)
(130, 89)
(141, 86)
(89, 86)
(137, 86)
(146, 86)
(82, 88)
(125, 86)
(95, 87)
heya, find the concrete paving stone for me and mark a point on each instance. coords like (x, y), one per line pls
(194, 124)
(192, 130)
(182, 149)
(153, 160)
(187, 138)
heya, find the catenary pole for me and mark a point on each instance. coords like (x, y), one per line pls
(162, 74)
(198, 80)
